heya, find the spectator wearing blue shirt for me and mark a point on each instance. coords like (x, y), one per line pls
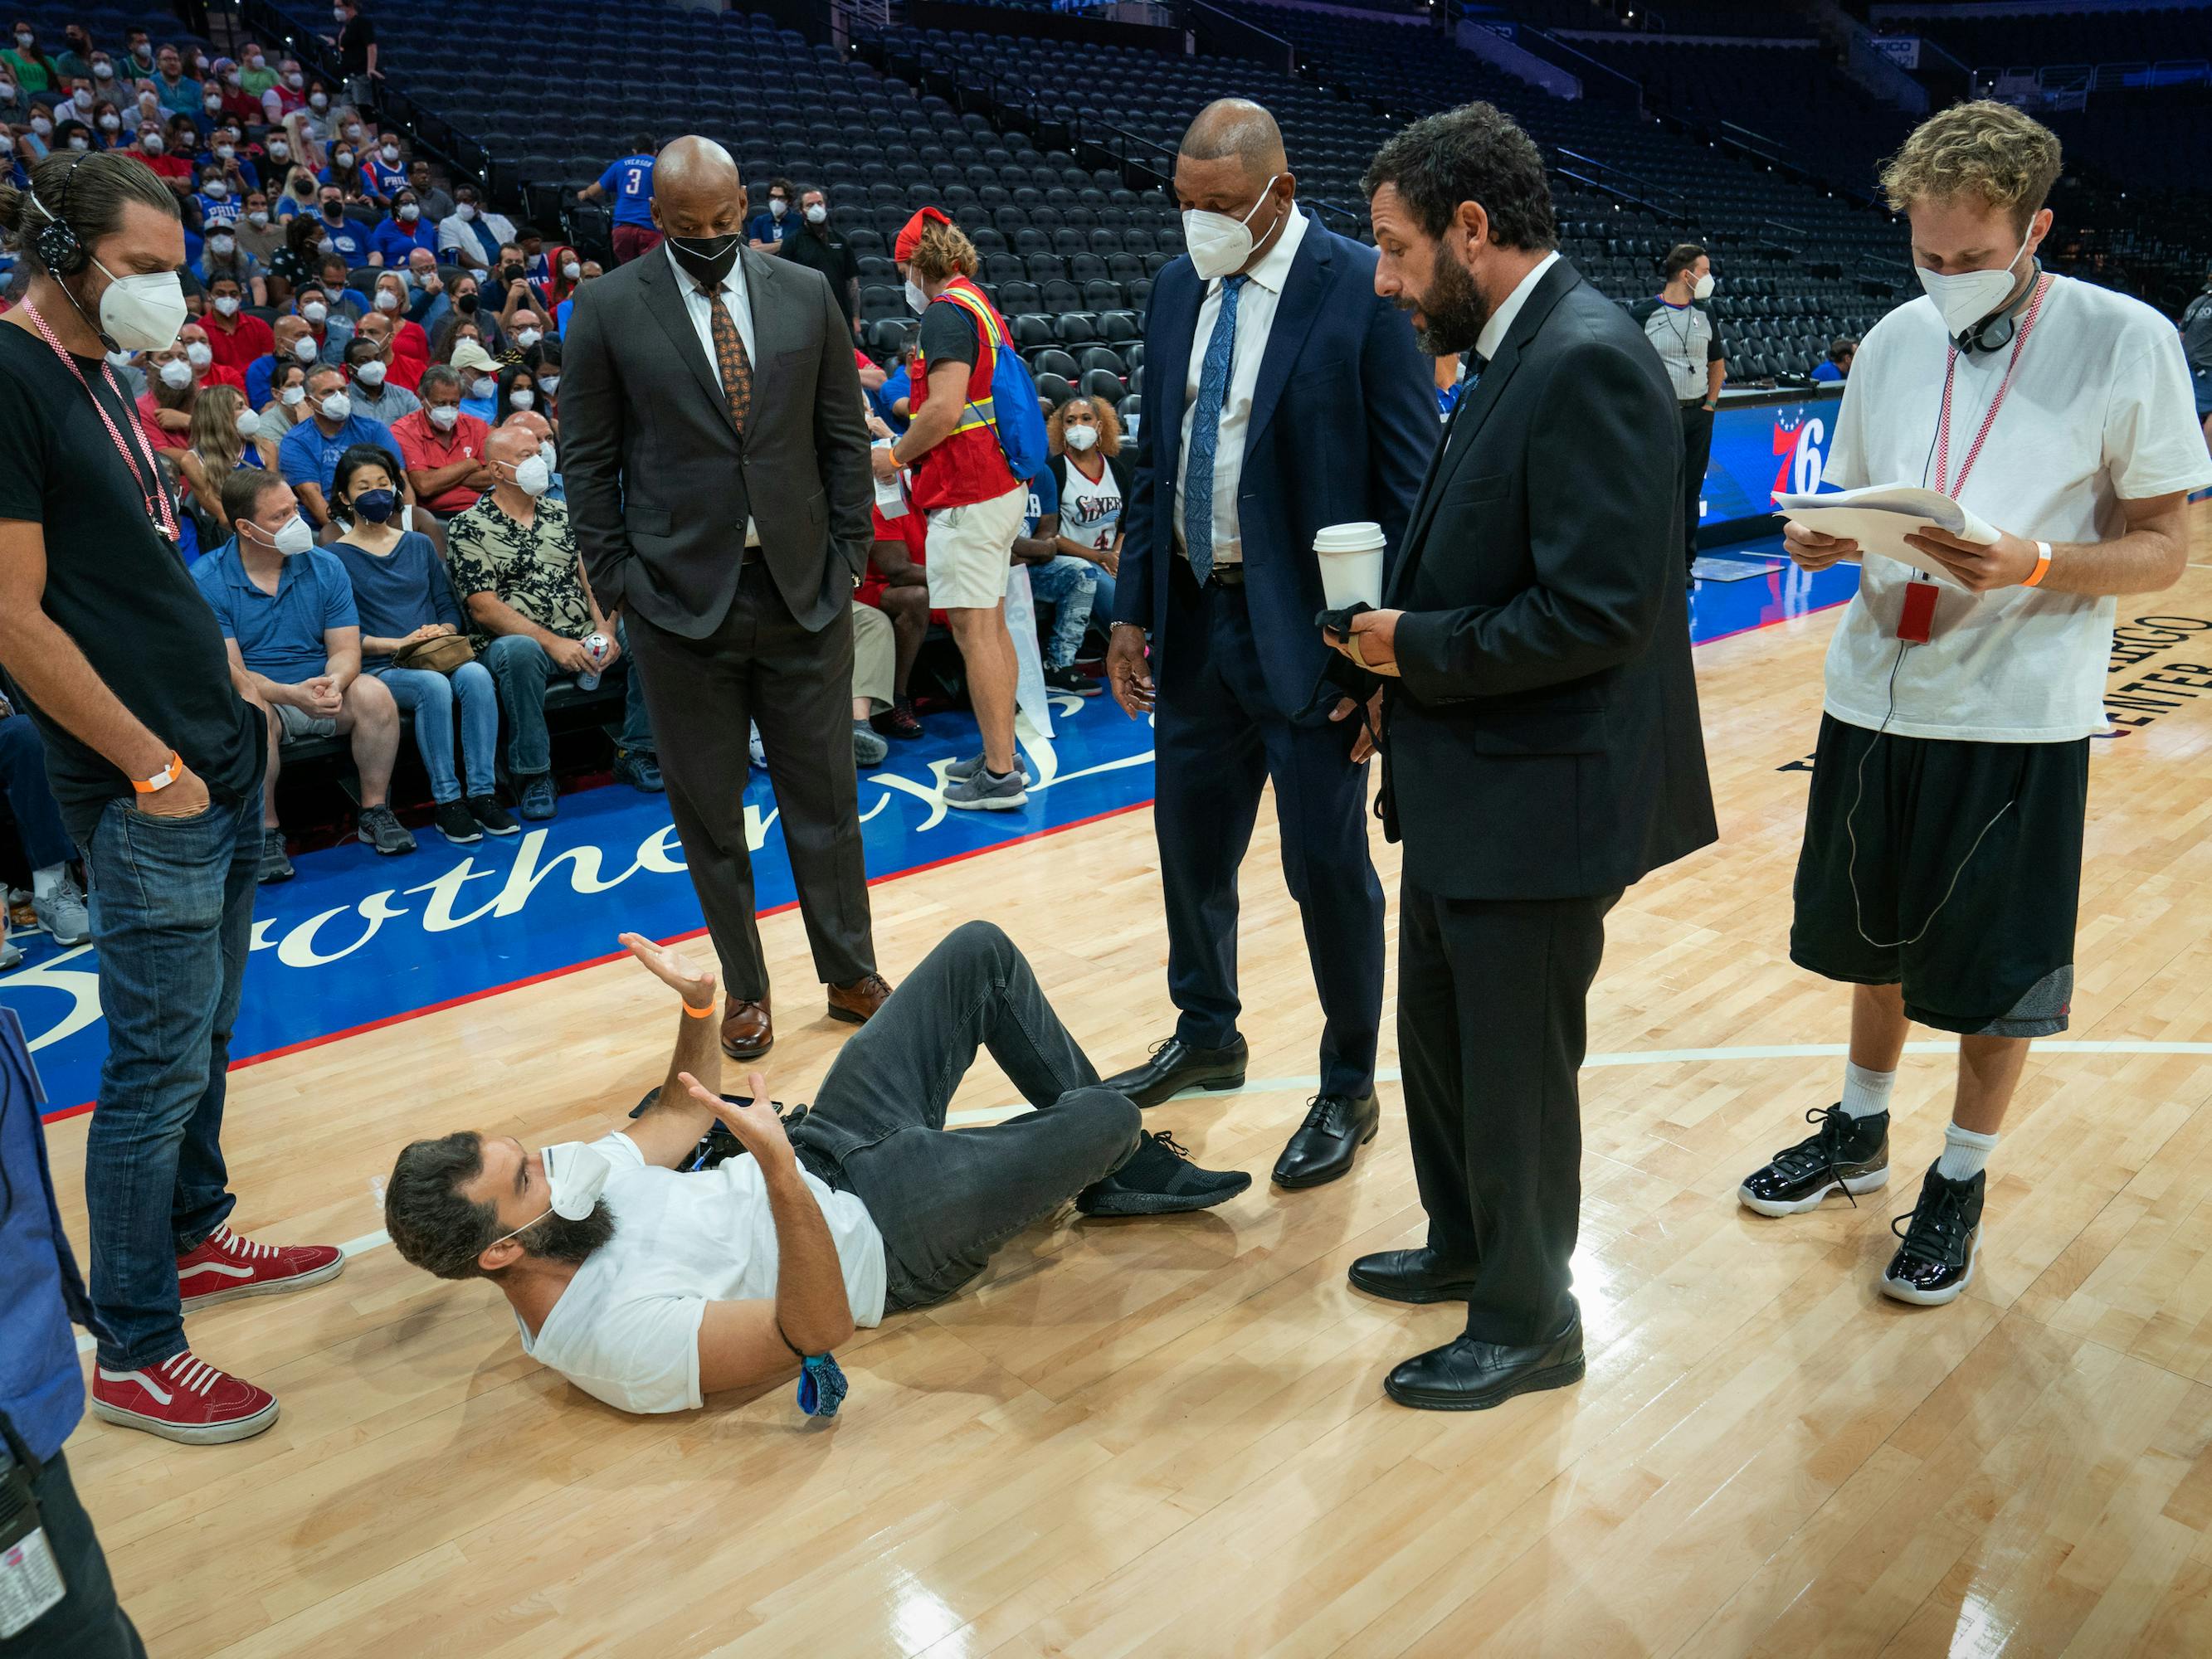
(629, 180)
(1841, 350)
(217, 204)
(404, 230)
(588, 272)
(347, 237)
(479, 372)
(766, 232)
(41, 1386)
(294, 635)
(308, 457)
(383, 170)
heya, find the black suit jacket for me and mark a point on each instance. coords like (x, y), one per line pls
(1543, 741)
(659, 479)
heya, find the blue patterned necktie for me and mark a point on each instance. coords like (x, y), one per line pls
(1205, 434)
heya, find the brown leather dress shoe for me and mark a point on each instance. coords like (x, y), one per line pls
(747, 1031)
(853, 1003)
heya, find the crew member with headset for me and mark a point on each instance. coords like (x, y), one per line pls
(1943, 855)
(1679, 322)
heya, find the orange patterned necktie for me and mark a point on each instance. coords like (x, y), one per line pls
(736, 368)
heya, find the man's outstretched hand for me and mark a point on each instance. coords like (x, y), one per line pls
(694, 984)
(757, 1126)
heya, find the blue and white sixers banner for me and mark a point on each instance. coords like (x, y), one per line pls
(1764, 450)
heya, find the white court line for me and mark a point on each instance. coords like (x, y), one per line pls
(1271, 1085)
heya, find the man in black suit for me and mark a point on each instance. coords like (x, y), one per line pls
(1540, 733)
(1285, 396)
(716, 461)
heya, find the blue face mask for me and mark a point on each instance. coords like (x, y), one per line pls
(376, 505)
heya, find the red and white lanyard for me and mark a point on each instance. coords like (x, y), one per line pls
(1989, 420)
(158, 512)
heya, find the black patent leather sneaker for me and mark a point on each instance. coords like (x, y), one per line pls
(1847, 1155)
(1942, 1235)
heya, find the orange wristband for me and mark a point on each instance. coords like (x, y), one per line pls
(706, 1012)
(2042, 565)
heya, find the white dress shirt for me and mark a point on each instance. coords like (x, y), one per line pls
(1255, 317)
(1494, 331)
(701, 312)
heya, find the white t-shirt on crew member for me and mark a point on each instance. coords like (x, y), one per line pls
(2100, 411)
(1089, 512)
(627, 1328)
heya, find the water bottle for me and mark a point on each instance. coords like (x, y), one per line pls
(595, 647)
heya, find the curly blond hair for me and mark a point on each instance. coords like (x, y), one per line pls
(1982, 148)
(942, 251)
(1109, 424)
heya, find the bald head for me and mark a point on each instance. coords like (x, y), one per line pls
(697, 190)
(510, 445)
(1226, 130)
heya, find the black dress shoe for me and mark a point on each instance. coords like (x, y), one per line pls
(1336, 1127)
(1469, 1376)
(1176, 1066)
(1411, 1276)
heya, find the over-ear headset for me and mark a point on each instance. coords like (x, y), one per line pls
(59, 250)
(1994, 331)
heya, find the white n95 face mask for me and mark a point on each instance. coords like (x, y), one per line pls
(1217, 244)
(533, 477)
(294, 538)
(141, 313)
(176, 375)
(576, 1173)
(445, 417)
(916, 300)
(1703, 287)
(1080, 438)
(1966, 297)
(336, 407)
(522, 398)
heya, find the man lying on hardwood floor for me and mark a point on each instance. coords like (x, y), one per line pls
(652, 1289)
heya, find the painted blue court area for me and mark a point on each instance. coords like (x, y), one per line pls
(356, 939)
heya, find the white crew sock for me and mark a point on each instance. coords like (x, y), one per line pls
(1865, 1093)
(1964, 1153)
(42, 882)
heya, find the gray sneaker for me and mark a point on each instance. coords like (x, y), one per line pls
(982, 792)
(275, 867)
(960, 771)
(868, 749)
(382, 830)
(62, 912)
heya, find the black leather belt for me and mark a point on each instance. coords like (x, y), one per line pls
(1229, 575)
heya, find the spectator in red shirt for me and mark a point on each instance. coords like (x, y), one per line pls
(199, 353)
(165, 408)
(403, 368)
(153, 151)
(236, 338)
(442, 447)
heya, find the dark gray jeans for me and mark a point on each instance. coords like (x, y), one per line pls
(944, 1201)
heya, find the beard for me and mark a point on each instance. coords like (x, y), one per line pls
(1454, 307)
(556, 1239)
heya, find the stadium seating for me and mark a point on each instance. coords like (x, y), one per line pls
(2039, 39)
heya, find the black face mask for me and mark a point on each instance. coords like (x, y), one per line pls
(706, 259)
(466, 302)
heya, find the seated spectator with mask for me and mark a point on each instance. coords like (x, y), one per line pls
(371, 390)
(326, 320)
(348, 238)
(443, 449)
(651, 1289)
(512, 559)
(308, 457)
(472, 235)
(479, 372)
(235, 336)
(405, 600)
(165, 408)
(767, 230)
(404, 230)
(292, 344)
(1092, 480)
(288, 616)
(406, 353)
(221, 258)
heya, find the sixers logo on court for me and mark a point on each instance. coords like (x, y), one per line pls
(1801, 441)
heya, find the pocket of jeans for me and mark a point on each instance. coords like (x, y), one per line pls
(184, 820)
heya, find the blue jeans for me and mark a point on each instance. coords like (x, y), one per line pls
(522, 670)
(172, 920)
(430, 697)
(30, 797)
(1072, 587)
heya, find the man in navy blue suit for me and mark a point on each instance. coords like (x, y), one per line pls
(1284, 395)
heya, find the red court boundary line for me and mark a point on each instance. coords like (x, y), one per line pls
(306, 1043)
(402, 1017)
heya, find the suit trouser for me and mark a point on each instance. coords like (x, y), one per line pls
(1492, 1029)
(760, 665)
(1697, 452)
(1219, 739)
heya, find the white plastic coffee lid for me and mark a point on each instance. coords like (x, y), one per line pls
(1360, 538)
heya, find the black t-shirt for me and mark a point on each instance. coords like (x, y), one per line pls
(831, 254)
(356, 36)
(115, 585)
(948, 334)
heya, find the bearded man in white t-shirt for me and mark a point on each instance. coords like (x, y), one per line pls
(1942, 856)
(650, 1282)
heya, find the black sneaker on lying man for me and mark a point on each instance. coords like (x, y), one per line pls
(651, 1289)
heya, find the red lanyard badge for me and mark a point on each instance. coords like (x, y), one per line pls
(1989, 420)
(158, 512)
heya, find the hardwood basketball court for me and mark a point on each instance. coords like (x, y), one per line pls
(1168, 1438)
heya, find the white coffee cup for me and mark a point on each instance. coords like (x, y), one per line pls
(1351, 563)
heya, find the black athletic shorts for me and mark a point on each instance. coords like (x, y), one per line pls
(1952, 869)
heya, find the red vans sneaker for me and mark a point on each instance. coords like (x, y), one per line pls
(226, 1266)
(182, 1399)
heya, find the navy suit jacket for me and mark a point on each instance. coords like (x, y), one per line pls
(1343, 425)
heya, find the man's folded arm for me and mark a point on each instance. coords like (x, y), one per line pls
(748, 1342)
